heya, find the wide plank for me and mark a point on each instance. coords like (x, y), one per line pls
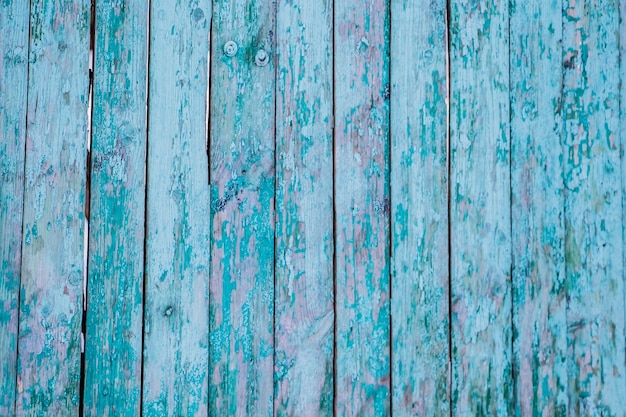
(176, 324)
(480, 225)
(419, 209)
(362, 208)
(304, 307)
(242, 149)
(593, 208)
(537, 209)
(113, 338)
(51, 296)
(14, 22)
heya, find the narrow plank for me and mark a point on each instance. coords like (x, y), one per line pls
(593, 211)
(304, 314)
(54, 199)
(14, 21)
(419, 210)
(242, 129)
(116, 224)
(480, 223)
(176, 351)
(537, 193)
(362, 204)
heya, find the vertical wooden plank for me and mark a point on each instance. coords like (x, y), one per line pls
(116, 232)
(304, 210)
(177, 270)
(480, 223)
(242, 128)
(419, 210)
(361, 33)
(593, 232)
(54, 199)
(13, 83)
(537, 193)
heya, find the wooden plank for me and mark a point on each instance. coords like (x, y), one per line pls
(178, 236)
(480, 223)
(54, 200)
(242, 127)
(113, 343)
(419, 210)
(14, 21)
(304, 314)
(362, 379)
(593, 211)
(537, 193)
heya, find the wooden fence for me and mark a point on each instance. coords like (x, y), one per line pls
(312, 208)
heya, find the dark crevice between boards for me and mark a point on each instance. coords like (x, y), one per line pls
(447, 18)
(207, 119)
(391, 268)
(19, 289)
(334, 220)
(87, 202)
(145, 210)
(275, 61)
(511, 266)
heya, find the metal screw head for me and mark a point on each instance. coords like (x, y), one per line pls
(230, 48)
(261, 58)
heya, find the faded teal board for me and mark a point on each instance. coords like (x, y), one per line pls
(52, 251)
(362, 205)
(242, 126)
(537, 193)
(480, 226)
(116, 223)
(304, 313)
(14, 20)
(593, 210)
(176, 328)
(419, 209)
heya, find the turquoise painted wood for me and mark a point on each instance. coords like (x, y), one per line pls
(242, 176)
(313, 208)
(480, 225)
(176, 330)
(113, 342)
(537, 209)
(51, 290)
(593, 208)
(419, 209)
(14, 23)
(362, 208)
(304, 297)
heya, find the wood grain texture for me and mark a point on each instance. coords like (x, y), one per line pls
(419, 210)
(537, 192)
(242, 129)
(176, 327)
(14, 22)
(113, 342)
(593, 211)
(304, 303)
(362, 378)
(54, 199)
(480, 209)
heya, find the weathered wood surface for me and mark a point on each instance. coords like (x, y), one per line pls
(419, 210)
(362, 205)
(14, 23)
(242, 146)
(537, 193)
(304, 302)
(51, 299)
(113, 345)
(480, 226)
(176, 347)
(593, 208)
